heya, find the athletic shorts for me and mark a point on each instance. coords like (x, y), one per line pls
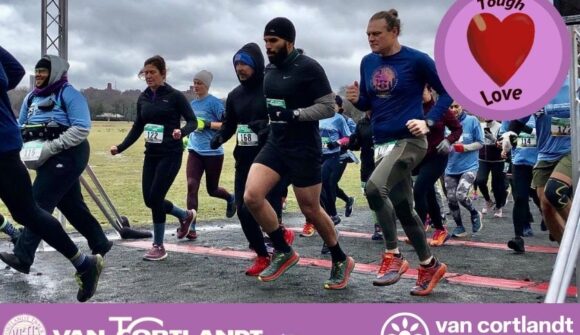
(302, 171)
(544, 169)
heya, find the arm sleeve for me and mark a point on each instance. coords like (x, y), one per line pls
(473, 146)
(134, 133)
(230, 122)
(429, 71)
(323, 108)
(11, 71)
(188, 115)
(318, 88)
(454, 127)
(79, 116)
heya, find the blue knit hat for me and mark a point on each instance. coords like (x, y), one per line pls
(244, 58)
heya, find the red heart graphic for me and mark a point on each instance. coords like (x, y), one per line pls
(500, 48)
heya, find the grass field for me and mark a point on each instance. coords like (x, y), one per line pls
(121, 177)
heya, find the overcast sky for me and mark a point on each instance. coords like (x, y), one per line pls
(110, 39)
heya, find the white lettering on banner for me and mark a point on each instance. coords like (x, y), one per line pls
(518, 325)
(130, 329)
(232, 332)
(454, 327)
(78, 332)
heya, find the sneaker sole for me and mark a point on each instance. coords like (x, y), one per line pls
(342, 285)
(434, 243)
(433, 283)
(402, 270)
(290, 263)
(307, 235)
(155, 259)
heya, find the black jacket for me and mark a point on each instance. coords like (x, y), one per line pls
(246, 105)
(165, 107)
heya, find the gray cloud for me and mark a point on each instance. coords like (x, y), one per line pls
(109, 40)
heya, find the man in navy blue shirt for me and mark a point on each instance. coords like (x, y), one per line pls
(391, 86)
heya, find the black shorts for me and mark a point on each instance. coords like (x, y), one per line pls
(302, 170)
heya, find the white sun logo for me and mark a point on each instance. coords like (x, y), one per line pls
(405, 324)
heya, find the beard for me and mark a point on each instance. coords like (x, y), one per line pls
(279, 57)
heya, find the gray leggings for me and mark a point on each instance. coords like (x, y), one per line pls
(390, 194)
(458, 187)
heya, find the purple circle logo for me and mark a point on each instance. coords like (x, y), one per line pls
(502, 59)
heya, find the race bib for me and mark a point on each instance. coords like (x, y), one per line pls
(31, 151)
(246, 137)
(383, 150)
(527, 141)
(560, 126)
(276, 103)
(324, 141)
(153, 133)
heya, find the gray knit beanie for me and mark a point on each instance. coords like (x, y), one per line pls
(205, 77)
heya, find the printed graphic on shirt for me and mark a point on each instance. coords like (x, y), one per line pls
(384, 80)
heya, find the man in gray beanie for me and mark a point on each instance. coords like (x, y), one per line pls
(298, 94)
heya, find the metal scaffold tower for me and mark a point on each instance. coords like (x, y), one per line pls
(54, 37)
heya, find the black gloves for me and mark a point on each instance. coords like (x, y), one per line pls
(282, 114)
(332, 145)
(216, 141)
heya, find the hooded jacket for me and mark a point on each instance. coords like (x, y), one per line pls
(246, 105)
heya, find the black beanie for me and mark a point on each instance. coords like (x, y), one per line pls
(43, 63)
(281, 27)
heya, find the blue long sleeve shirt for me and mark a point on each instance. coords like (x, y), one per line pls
(553, 127)
(392, 87)
(462, 162)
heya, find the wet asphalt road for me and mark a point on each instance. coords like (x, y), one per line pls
(187, 277)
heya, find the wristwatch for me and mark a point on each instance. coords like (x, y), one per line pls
(296, 113)
(430, 123)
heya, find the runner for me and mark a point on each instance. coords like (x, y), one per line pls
(461, 171)
(362, 139)
(159, 111)
(334, 133)
(524, 157)
(20, 203)
(391, 86)
(490, 161)
(552, 173)
(432, 167)
(246, 115)
(298, 94)
(57, 115)
(201, 159)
